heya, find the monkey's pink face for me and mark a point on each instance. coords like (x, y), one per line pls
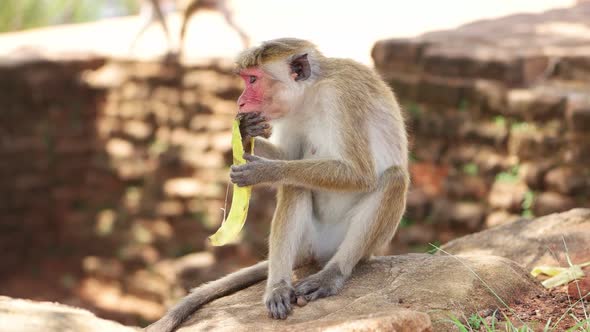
(259, 94)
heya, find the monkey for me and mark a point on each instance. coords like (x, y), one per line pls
(155, 14)
(330, 134)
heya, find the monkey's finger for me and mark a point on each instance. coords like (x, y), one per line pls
(239, 168)
(238, 180)
(257, 130)
(287, 304)
(281, 310)
(251, 118)
(250, 158)
(272, 310)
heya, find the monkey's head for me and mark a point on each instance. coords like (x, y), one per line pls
(276, 75)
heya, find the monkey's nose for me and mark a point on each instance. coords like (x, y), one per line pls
(242, 105)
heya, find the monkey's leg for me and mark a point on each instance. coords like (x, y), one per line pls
(374, 220)
(208, 292)
(146, 24)
(159, 16)
(192, 8)
(287, 247)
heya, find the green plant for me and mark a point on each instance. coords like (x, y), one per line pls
(474, 321)
(463, 105)
(509, 176)
(527, 203)
(471, 169)
(521, 126)
(500, 121)
(405, 222)
(26, 14)
(414, 110)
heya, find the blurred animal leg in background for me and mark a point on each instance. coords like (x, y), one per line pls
(151, 12)
(229, 18)
(220, 6)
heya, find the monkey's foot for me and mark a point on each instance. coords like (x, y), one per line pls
(327, 282)
(278, 300)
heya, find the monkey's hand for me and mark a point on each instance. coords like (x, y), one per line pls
(278, 300)
(256, 170)
(253, 125)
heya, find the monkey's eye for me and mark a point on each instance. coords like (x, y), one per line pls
(252, 79)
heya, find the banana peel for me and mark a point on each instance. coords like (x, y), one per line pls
(559, 275)
(231, 227)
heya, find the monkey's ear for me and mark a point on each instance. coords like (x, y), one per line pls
(300, 69)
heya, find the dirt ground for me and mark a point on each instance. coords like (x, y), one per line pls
(563, 308)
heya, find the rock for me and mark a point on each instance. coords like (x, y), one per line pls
(395, 55)
(466, 187)
(529, 143)
(534, 105)
(390, 293)
(447, 92)
(462, 214)
(498, 218)
(578, 115)
(418, 204)
(491, 96)
(27, 316)
(551, 202)
(507, 196)
(567, 180)
(533, 173)
(487, 133)
(405, 86)
(532, 242)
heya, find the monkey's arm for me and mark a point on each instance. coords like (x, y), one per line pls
(333, 175)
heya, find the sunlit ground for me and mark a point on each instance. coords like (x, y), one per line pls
(343, 28)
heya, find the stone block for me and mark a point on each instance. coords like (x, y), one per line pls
(490, 96)
(461, 186)
(551, 202)
(398, 55)
(467, 215)
(578, 114)
(568, 180)
(488, 133)
(534, 105)
(507, 196)
(418, 204)
(440, 91)
(498, 218)
(533, 173)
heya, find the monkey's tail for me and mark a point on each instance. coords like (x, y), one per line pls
(208, 292)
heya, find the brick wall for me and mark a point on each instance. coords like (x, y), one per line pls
(506, 131)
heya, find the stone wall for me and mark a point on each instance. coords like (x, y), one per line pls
(46, 146)
(115, 159)
(108, 167)
(499, 130)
